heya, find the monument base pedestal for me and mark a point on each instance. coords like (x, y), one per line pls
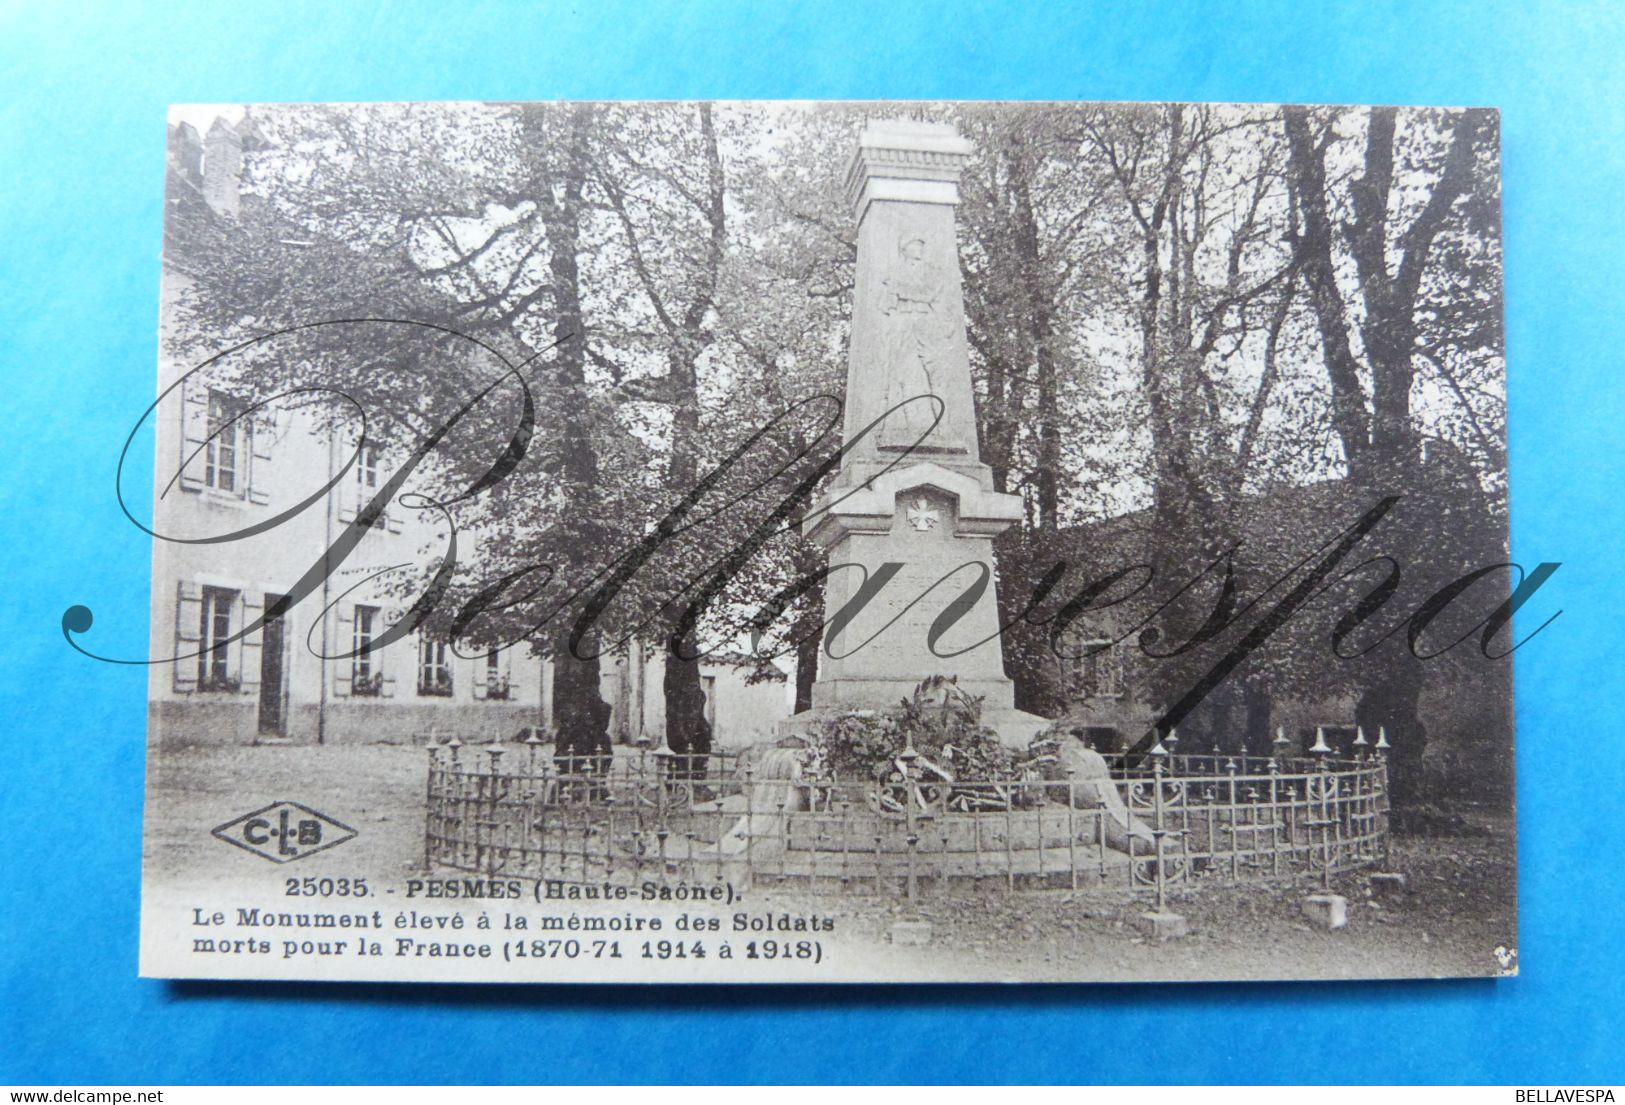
(1016, 728)
(882, 693)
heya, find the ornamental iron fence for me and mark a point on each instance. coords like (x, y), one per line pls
(1160, 821)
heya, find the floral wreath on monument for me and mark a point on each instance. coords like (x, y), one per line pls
(935, 737)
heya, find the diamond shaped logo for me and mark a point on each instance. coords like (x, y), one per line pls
(284, 831)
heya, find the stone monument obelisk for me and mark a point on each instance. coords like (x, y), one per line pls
(913, 504)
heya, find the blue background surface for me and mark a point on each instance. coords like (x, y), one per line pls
(83, 91)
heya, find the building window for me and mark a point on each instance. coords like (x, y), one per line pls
(1097, 671)
(214, 631)
(365, 677)
(366, 471)
(366, 480)
(223, 454)
(497, 685)
(434, 668)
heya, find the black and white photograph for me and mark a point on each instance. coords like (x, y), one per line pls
(804, 541)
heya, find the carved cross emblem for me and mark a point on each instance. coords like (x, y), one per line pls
(923, 516)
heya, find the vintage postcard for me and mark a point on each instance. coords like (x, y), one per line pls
(748, 542)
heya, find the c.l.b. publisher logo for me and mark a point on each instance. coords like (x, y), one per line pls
(284, 831)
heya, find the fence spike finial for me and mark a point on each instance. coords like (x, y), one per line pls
(909, 753)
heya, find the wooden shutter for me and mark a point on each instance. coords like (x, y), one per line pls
(249, 674)
(344, 634)
(188, 616)
(194, 433)
(394, 513)
(349, 491)
(481, 674)
(261, 432)
(391, 618)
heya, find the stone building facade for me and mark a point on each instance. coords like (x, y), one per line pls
(221, 469)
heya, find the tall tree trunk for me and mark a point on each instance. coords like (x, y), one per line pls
(1256, 700)
(687, 732)
(687, 336)
(1307, 174)
(580, 712)
(1020, 358)
(806, 630)
(1391, 702)
(1180, 544)
(1040, 311)
(998, 425)
(1378, 434)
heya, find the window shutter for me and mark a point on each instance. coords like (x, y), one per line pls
(188, 613)
(349, 492)
(392, 617)
(194, 433)
(393, 515)
(261, 432)
(344, 637)
(250, 674)
(481, 674)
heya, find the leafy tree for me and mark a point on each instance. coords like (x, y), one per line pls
(1415, 219)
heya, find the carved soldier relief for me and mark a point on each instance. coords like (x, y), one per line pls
(916, 338)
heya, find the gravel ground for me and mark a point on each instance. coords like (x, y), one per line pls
(1457, 910)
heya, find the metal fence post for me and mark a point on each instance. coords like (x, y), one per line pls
(1381, 750)
(431, 807)
(908, 758)
(1158, 830)
(495, 751)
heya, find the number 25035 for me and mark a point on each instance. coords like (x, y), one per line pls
(325, 888)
